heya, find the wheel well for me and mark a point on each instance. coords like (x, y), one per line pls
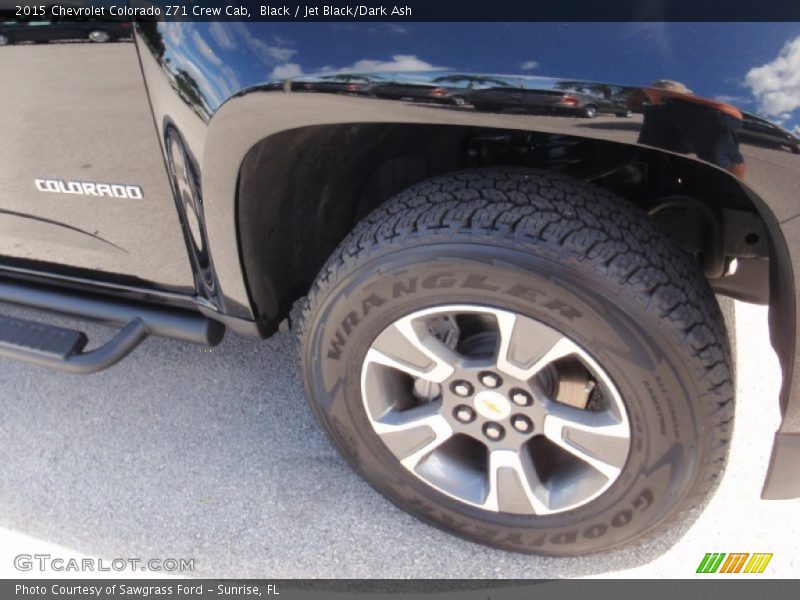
(302, 190)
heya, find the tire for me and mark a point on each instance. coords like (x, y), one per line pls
(570, 259)
(4, 41)
(625, 114)
(590, 112)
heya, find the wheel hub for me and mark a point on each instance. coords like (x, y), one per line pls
(492, 405)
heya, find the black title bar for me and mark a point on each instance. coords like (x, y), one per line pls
(405, 11)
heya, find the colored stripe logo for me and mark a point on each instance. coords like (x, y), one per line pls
(737, 562)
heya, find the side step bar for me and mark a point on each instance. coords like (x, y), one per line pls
(62, 349)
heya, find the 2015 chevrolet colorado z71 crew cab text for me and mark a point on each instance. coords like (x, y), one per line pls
(509, 323)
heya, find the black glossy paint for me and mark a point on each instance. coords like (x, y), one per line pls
(220, 90)
(78, 111)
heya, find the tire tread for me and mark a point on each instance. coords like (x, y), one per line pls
(592, 228)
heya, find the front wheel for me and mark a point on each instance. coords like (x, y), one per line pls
(4, 41)
(521, 359)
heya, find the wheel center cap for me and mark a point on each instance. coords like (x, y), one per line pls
(492, 405)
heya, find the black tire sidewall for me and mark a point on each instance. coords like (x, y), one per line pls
(642, 360)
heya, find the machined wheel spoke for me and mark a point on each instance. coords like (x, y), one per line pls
(406, 346)
(514, 485)
(414, 433)
(596, 438)
(527, 346)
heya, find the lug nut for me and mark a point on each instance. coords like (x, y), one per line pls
(494, 431)
(464, 413)
(522, 423)
(490, 380)
(462, 388)
(521, 398)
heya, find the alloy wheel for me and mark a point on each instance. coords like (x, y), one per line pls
(495, 409)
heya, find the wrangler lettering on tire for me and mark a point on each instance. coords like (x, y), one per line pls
(522, 359)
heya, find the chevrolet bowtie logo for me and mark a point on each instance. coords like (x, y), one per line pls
(492, 406)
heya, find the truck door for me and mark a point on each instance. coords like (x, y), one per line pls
(83, 187)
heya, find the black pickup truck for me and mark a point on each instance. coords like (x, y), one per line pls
(509, 322)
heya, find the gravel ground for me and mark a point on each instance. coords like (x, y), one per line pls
(213, 454)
